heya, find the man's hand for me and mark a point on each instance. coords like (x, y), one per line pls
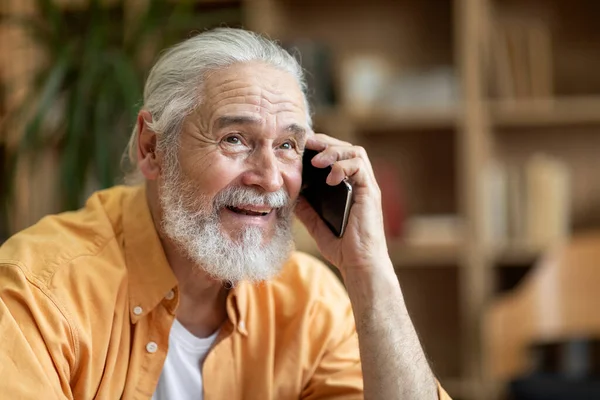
(393, 363)
(363, 244)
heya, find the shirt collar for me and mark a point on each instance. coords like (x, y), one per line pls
(150, 276)
(237, 305)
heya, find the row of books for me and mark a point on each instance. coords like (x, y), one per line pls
(529, 203)
(522, 60)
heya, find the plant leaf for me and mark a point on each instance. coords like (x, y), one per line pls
(102, 137)
(52, 14)
(128, 80)
(48, 95)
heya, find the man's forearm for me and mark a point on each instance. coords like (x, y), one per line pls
(394, 365)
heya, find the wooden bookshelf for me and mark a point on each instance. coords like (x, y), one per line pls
(515, 254)
(542, 97)
(549, 106)
(382, 121)
(549, 112)
(424, 256)
(421, 142)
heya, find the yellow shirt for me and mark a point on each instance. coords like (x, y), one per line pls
(87, 300)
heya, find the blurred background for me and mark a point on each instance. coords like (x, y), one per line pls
(481, 117)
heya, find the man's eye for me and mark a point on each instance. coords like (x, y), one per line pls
(233, 140)
(287, 146)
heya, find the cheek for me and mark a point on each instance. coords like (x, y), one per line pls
(210, 175)
(293, 180)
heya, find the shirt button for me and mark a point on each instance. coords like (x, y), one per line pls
(151, 347)
(170, 295)
(137, 310)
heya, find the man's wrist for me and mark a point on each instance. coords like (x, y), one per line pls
(370, 272)
(371, 285)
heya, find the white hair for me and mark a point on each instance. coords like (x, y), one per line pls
(173, 87)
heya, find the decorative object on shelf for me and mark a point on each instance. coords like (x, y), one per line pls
(370, 83)
(431, 89)
(392, 199)
(364, 79)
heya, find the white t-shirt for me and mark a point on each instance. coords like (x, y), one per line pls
(181, 377)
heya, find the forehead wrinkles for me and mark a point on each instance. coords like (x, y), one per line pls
(256, 104)
(271, 81)
(255, 92)
(257, 97)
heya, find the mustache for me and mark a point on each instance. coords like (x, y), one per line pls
(238, 196)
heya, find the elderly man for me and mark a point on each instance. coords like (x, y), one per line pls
(186, 286)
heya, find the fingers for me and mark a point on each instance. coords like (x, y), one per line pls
(334, 154)
(320, 142)
(346, 160)
(354, 169)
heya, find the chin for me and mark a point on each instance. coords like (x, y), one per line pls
(258, 236)
(247, 257)
(231, 247)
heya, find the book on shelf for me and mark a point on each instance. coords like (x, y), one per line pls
(431, 230)
(495, 205)
(516, 203)
(528, 204)
(521, 60)
(548, 205)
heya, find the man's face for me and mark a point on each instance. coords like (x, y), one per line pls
(238, 171)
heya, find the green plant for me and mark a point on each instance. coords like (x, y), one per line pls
(83, 99)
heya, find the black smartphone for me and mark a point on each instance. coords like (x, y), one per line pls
(332, 203)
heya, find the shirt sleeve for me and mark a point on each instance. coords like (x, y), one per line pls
(338, 373)
(35, 341)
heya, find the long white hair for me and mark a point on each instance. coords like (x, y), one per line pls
(174, 86)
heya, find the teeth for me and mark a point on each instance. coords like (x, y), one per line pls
(246, 211)
(261, 211)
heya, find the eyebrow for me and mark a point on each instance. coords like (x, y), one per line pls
(230, 120)
(297, 130)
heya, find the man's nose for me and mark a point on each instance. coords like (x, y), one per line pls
(264, 172)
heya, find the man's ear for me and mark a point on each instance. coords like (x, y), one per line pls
(146, 147)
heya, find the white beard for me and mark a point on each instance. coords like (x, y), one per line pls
(249, 256)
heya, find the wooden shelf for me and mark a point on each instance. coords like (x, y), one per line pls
(545, 112)
(424, 256)
(516, 254)
(382, 121)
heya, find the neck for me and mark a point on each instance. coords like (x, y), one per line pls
(202, 299)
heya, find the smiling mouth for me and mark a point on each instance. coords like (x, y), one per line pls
(245, 211)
